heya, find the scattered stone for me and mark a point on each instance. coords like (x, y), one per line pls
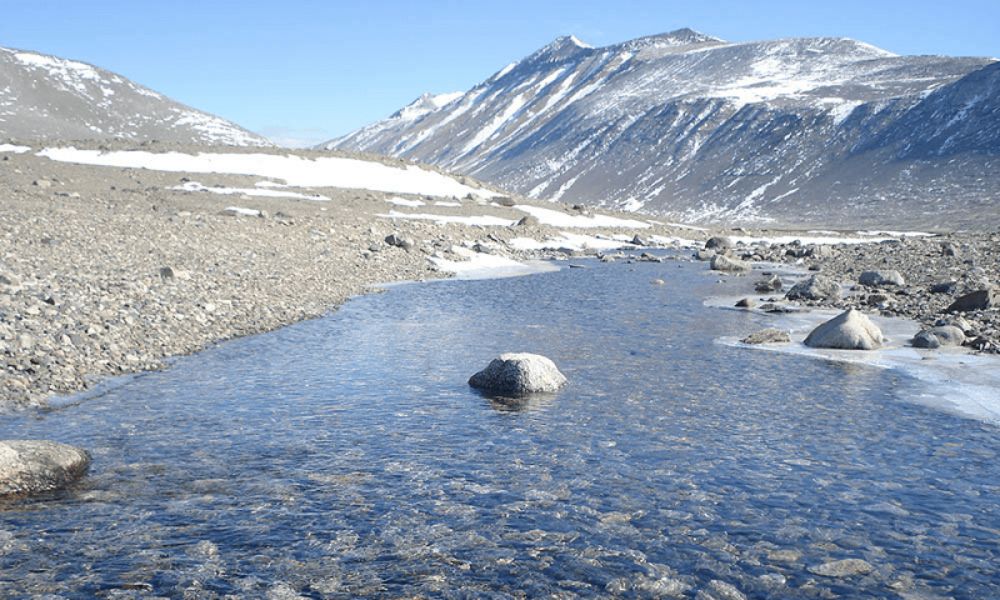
(818, 288)
(881, 278)
(851, 330)
(519, 374)
(638, 241)
(768, 336)
(719, 242)
(721, 262)
(978, 300)
(36, 466)
(842, 568)
(659, 282)
(745, 303)
(43, 184)
(704, 254)
(528, 221)
(505, 201)
(399, 241)
(769, 284)
(925, 339)
(945, 287)
(950, 249)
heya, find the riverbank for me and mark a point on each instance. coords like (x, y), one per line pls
(107, 270)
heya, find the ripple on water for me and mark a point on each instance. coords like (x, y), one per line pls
(347, 457)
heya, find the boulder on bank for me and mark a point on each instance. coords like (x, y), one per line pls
(37, 466)
(817, 288)
(851, 330)
(519, 374)
(768, 336)
(881, 278)
(721, 262)
(978, 300)
(935, 337)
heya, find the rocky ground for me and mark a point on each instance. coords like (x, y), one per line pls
(920, 278)
(106, 271)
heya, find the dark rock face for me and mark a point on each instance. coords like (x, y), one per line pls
(978, 300)
(866, 138)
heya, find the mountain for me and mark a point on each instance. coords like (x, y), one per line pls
(48, 98)
(814, 131)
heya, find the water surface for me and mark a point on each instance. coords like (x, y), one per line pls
(346, 456)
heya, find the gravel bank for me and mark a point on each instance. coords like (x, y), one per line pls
(106, 271)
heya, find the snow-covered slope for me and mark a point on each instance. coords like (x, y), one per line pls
(810, 130)
(48, 98)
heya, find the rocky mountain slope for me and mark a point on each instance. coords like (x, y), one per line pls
(48, 98)
(814, 131)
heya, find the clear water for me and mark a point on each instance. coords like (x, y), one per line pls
(347, 457)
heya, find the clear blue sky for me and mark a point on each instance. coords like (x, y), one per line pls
(310, 70)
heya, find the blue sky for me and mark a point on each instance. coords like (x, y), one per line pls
(309, 70)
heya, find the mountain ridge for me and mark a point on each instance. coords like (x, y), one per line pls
(45, 97)
(713, 130)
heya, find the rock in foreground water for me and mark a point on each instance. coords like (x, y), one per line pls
(817, 288)
(36, 466)
(851, 330)
(519, 374)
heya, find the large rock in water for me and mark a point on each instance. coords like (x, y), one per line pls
(851, 330)
(978, 300)
(817, 288)
(36, 466)
(519, 374)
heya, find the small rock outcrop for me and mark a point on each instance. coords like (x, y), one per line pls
(35, 466)
(721, 262)
(817, 288)
(768, 336)
(399, 241)
(519, 374)
(978, 300)
(881, 278)
(851, 330)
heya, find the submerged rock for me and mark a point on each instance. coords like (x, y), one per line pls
(842, 568)
(768, 336)
(518, 374)
(36, 466)
(817, 288)
(721, 262)
(851, 330)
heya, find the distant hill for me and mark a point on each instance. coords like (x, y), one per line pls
(48, 98)
(811, 131)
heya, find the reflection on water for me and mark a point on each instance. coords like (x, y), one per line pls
(348, 457)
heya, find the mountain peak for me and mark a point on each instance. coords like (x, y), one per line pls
(678, 37)
(561, 48)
